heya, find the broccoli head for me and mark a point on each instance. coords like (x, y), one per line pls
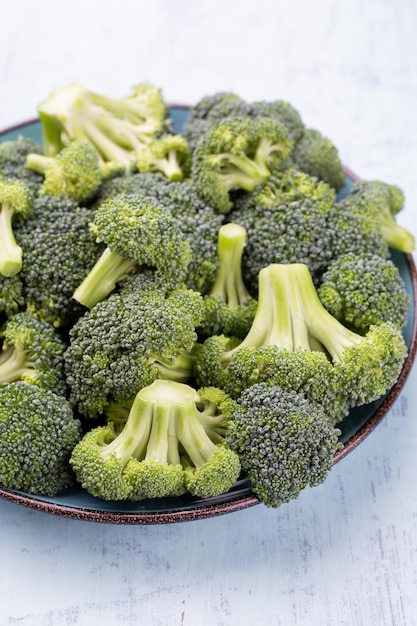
(283, 440)
(169, 154)
(130, 339)
(117, 128)
(238, 153)
(290, 317)
(138, 233)
(316, 155)
(58, 253)
(32, 351)
(13, 155)
(15, 202)
(366, 290)
(163, 449)
(74, 172)
(38, 432)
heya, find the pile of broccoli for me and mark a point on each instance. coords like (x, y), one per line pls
(182, 310)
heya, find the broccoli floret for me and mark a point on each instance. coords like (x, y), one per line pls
(128, 340)
(229, 308)
(316, 155)
(73, 173)
(362, 291)
(11, 295)
(38, 432)
(117, 128)
(169, 154)
(210, 110)
(283, 440)
(291, 317)
(58, 253)
(379, 203)
(198, 222)
(13, 166)
(238, 153)
(15, 202)
(282, 111)
(137, 233)
(287, 221)
(32, 351)
(163, 450)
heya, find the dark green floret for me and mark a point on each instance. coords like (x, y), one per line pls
(32, 351)
(58, 253)
(164, 449)
(317, 155)
(137, 233)
(38, 432)
(128, 340)
(74, 172)
(283, 112)
(229, 308)
(366, 290)
(11, 295)
(238, 153)
(287, 221)
(283, 440)
(15, 203)
(380, 203)
(13, 155)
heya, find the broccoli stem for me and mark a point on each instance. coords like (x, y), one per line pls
(110, 268)
(193, 437)
(10, 251)
(228, 283)
(170, 166)
(241, 172)
(177, 369)
(263, 153)
(38, 162)
(14, 364)
(163, 443)
(396, 236)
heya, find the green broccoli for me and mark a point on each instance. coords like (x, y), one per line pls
(287, 221)
(11, 295)
(137, 233)
(283, 440)
(38, 432)
(13, 166)
(210, 110)
(229, 308)
(163, 450)
(15, 202)
(238, 153)
(58, 253)
(169, 154)
(123, 343)
(74, 172)
(117, 128)
(198, 222)
(282, 111)
(290, 318)
(361, 291)
(32, 351)
(379, 203)
(316, 155)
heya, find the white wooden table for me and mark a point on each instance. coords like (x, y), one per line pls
(344, 553)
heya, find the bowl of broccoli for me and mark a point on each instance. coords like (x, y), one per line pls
(201, 308)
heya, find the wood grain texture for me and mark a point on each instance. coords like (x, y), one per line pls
(344, 553)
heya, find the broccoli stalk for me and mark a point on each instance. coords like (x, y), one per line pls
(169, 155)
(14, 200)
(162, 450)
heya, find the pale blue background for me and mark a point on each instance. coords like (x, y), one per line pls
(345, 552)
